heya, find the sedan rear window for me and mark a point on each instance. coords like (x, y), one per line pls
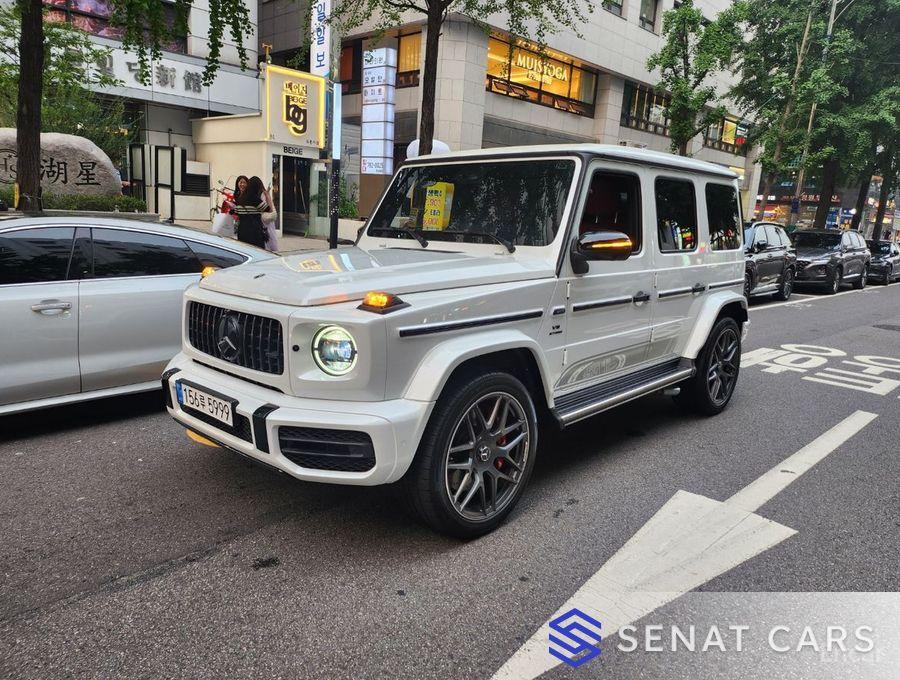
(521, 202)
(122, 252)
(35, 255)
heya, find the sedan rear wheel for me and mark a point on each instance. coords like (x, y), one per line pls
(787, 285)
(860, 283)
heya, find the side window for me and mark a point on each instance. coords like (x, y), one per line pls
(782, 234)
(860, 243)
(35, 255)
(215, 257)
(772, 236)
(847, 240)
(724, 217)
(676, 214)
(119, 252)
(613, 203)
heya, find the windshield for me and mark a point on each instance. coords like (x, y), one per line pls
(521, 202)
(879, 248)
(812, 240)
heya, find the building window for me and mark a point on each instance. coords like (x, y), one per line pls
(552, 79)
(728, 135)
(93, 16)
(644, 109)
(614, 6)
(648, 14)
(351, 67)
(409, 53)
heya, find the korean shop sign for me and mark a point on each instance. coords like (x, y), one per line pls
(295, 111)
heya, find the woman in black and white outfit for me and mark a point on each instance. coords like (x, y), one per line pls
(251, 204)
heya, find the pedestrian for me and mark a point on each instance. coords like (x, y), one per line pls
(240, 185)
(251, 203)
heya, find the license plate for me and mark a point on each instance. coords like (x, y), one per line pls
(191, 397)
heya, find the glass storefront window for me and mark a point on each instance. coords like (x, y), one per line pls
(550, 79)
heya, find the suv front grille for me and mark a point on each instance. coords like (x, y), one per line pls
(321, 449)
(257, 340)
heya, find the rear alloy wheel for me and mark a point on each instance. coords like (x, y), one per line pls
(475, 457)
(748, 285)
(786, 287)
(860, 283)
(889, 275)
(834, 285)
(718, 365)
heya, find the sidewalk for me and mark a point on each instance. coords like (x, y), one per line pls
(289, 243)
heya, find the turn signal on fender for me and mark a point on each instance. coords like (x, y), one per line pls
(381, 303)
(206, 271)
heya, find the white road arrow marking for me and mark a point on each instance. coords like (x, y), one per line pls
(689, 541)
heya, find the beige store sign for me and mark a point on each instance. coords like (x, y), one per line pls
(295, 107)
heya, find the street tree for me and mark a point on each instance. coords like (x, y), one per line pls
(145, 30)
(694, 50)
(532, 21)
(69, 104)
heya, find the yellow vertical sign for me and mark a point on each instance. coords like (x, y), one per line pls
(438, 206)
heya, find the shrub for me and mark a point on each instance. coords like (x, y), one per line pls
(77, 202)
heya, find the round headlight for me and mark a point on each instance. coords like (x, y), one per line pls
(334, 350)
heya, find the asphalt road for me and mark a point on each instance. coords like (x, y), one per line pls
(127, 550)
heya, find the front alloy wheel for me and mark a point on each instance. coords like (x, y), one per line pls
(475, 456)
(748, 285)
(835, 283)
(487, 454)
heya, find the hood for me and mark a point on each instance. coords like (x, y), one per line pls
(331, 276)
(814, 253)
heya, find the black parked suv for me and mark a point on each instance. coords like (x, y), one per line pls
(885, 264)
(830, 257)
(770, 261)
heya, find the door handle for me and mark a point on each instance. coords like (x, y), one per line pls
(698, 288)
(640, 296)
(46, 306)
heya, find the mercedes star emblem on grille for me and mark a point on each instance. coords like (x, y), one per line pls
(228, 337)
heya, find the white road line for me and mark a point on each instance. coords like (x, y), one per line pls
(813, 298)
(764, 488)
(688, 542)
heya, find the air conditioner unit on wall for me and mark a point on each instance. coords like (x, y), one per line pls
(636, 145)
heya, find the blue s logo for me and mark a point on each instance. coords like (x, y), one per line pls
(578, 640)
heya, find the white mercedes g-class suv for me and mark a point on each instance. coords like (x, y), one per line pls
(489, 292)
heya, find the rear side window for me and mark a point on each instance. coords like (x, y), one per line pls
(210, 256)
(724, 217)
(119, 252)
(782, 234)
(676, 215)
(772, 237)
(35, 255)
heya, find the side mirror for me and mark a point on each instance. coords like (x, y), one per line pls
(760, 246)
(599, 245)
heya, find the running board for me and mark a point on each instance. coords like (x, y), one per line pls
(575, 406)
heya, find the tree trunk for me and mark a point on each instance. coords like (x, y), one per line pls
(861, 201)
(429, 79)
(829, 179)
(886, 182)
(28, 114)
(768, 181)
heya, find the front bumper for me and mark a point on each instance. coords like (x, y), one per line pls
(394, 426)
(812, 273)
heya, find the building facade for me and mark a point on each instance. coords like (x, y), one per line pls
(496, 90)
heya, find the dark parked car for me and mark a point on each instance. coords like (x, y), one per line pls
(885, 264)
(829, 258)
(771, 263)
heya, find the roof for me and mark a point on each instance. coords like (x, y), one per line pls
(626, 154)
(143, 225)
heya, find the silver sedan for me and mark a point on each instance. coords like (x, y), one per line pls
(91, 307)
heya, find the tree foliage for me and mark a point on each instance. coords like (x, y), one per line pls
(533, 21)
(694, 50)
(68, 104)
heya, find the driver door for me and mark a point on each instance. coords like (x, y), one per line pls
(608, 308)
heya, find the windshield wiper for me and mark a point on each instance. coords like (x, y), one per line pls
(410, 229)
(509, 245)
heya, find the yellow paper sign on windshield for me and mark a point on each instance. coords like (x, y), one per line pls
(438, 206)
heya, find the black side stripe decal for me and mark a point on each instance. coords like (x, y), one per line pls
(612, 302)
(411, 331)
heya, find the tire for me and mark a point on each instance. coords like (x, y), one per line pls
(834, 285)
(888, 276)
(701, 394)
(786, 287)
(860, 283)
(748, 284)
(463, 458)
